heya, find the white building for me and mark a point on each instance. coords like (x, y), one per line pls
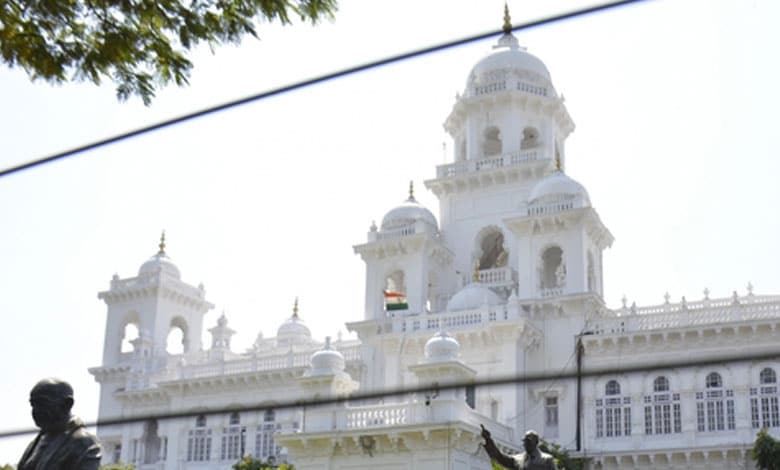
(505, 282)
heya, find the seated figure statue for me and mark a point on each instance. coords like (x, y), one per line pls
(62, 443)
(531, 459)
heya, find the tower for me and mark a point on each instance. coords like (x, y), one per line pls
(156, 301)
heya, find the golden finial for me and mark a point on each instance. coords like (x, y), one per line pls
(411, 189)
(507, 20)
(162, 244)
(295, 308)
(475, 276)
(558, 161)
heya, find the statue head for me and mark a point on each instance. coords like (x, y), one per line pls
(51, 401)
(530, 441)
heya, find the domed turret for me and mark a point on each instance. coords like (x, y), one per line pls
(559, 188)
(442, 347)
(293, 330)
(160, 263)
(508, 60)
(473, 296)
(327, 360)
(407, 213)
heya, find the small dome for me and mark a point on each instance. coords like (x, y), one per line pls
(160, 263)
(508, 56)
(473, 296)
(293, 330)
(326, 360)
(442, 347)
(409, 212)
(559, 186)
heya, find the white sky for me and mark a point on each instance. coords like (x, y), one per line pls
(675, 105)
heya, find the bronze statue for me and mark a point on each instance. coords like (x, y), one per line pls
(63, 443)
(531, 459)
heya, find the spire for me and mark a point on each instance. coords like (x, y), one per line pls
(507, 20)
(295, 308)
(411, 190)
(162, 244)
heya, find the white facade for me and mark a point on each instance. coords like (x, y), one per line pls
(512, 272)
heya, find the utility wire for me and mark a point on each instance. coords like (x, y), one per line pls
(308, 82)
(400, 391)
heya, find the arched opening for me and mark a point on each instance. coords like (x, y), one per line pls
(613, 412)
(553, 269)
(129, 333)
(395, 291)
(492, 253)
(491, 144)
(178, 341)
(265, 446)
(530, 138)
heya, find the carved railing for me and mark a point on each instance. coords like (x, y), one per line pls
(490, 163)
(684, 314)
(453, 320)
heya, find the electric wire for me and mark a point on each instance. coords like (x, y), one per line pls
(307, 83)
(400, 391)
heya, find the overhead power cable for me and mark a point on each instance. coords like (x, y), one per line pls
(401, 391)
(308, 82)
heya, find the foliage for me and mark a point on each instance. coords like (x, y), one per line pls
(117, 466)
(251, 463)
(562, 458)
(136, 44)
(7, 466)
(766, 451)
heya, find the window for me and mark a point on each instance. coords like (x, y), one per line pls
(199, 442)
(492, 142)
(715, 406)
(662, 409)
(613, 412)
(530, 138)
(552, 271)
(264, 439)
(551, 416)
(471, 396)
(764, 410)
(233, 439)
(117, 453)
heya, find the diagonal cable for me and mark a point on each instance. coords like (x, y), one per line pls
(306, 83)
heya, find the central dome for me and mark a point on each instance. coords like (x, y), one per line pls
(473, 296)
(508, 57)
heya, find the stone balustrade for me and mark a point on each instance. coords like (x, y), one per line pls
(506, 160)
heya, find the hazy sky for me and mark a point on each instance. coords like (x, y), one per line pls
(675, 104)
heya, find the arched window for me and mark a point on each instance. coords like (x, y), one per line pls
(714, 380)
(715, 406)
(233, 439)
(553, 271)
(129, 333)
(613, 412)
(530, 138)
(662, 409)
(492, 142)
(177, 342)
(264, 439)
(491, 248)
(395, 291)
(764, 409)
(199, 441)
(767, 376)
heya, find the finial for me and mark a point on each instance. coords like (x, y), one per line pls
(411, 190)
(667, 297)
(558, 162)
(295, 308)
(327, 343)
(507, 20)
(750, 288)
(624, 300)
(162, 244)
(475, 276)
(706, 294)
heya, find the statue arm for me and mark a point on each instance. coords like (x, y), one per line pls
(504, 460)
